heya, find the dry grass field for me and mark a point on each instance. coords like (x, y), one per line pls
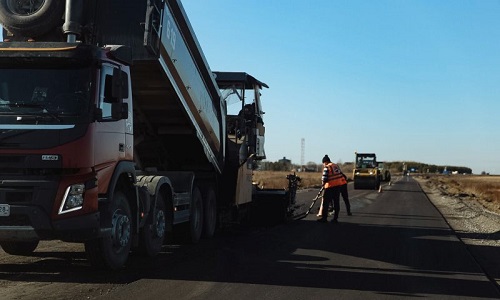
(485, 189)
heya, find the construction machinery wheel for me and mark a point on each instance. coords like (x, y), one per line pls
(31, 18)
(209, 213)
(19, 248)
(112, 251)
(153, 233)
(196, 216)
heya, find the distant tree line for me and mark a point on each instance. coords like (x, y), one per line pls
(274, 166)
(417, 167)
(394, 167)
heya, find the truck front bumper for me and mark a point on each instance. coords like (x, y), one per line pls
(31, 223)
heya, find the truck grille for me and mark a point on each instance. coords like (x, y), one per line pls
(16, 197)
(11, 159)
(15, 220)
(30, 165)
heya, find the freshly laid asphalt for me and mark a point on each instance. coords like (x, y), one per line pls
(395, 245)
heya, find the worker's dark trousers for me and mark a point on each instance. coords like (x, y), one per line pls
(329, 195)
(345, 196)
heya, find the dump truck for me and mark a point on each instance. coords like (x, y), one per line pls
(114, 131)
(366, 174)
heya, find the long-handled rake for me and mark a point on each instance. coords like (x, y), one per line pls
(319, 195)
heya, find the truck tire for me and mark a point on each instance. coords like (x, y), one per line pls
(209, 214)
(19, 248)
(112, 251)
(196, 216)
(33, 19)
(153, 234)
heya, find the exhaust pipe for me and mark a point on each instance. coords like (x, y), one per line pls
(72, 27)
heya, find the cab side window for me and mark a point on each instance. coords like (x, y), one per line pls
(105, 98)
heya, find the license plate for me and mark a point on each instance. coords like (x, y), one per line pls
(4, 210)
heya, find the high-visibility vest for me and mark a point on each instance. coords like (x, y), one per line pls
(334, 176)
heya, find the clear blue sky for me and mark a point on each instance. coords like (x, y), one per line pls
(409, 80)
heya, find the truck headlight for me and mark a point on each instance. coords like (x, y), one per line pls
(73, 198)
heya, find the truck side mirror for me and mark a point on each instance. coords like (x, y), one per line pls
(119, 111)
(119, 85)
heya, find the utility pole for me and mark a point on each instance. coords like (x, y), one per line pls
(302, 152)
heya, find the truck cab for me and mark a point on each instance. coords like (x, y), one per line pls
(111, 128)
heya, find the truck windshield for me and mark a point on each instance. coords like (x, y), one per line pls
(47, 94)
(365, 162)
(233, 100)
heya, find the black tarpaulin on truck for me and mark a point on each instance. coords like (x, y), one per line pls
(26, 54)
(227, 79)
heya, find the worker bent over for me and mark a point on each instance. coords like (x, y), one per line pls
(333, 179)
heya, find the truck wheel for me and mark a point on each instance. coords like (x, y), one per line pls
(31, 18)
(112, 251)
(196, 216)
(209, 214)
(153, 234)
(19, 248)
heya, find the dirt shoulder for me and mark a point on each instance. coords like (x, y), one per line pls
(476, 225)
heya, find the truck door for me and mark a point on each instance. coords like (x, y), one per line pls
(110, 139)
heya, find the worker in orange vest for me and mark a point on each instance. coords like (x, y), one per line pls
(345, 197)
(333, 179)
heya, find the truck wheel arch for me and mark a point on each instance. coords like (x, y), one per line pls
(122, 169)
(31, 24)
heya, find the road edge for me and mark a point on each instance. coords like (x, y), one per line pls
(454, 217)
